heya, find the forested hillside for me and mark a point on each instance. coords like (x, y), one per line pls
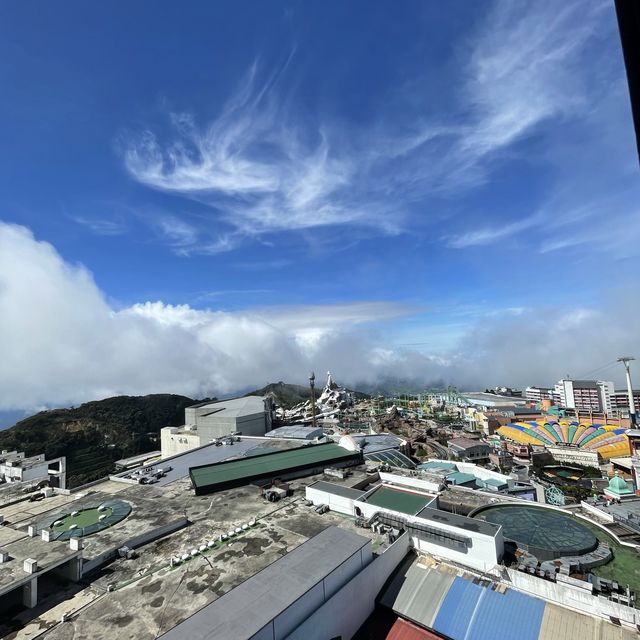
(95, 434)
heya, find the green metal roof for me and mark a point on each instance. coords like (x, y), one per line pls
(398, 500)
(433, 464)
(276, 462)
(460, 478)
(496, 483)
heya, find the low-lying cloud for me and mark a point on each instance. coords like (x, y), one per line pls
(62, 343)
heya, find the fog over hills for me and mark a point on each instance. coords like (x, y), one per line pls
(81, 346)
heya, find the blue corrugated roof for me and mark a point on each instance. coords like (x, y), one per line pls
(505, 616)
(473, 612)
(457, 609)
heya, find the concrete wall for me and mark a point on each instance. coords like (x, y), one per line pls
(347, 609)
(37, 470)
(572, 456)
(133, 543)
(594, 511)
(336, 503)
(216, 426)
(484, 553)
(173, 442)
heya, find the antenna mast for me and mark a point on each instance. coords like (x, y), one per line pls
(632, 406)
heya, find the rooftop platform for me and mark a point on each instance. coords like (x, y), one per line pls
(232, 408)
(211, 454)
(224, 475)
(148, 597)
(21, 547)
(252, 605)
(371, 443)
(400, 500)
(295, 431)
(391, 457)
(461, 522)
(337, 489)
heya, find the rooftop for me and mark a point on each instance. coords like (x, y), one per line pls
(20, 547)
(376, 442)
(160, 596)
(462, 522)
(337, 489)
(492, 399)
(294, 431)
(458, 477)
(401, 500)
(211, 454)
(249, 607)
(465, 443)
(265, 464)
(392, 457)
(233, 408)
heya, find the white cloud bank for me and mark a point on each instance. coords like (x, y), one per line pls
(61, 343)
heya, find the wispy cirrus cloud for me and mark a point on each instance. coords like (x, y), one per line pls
(102, 226)
(179, 234)
(525, 71)
(489, 235)
(257, 172)
(525, 68)
(263, 167)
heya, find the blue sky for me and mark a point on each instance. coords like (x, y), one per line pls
(207, 196)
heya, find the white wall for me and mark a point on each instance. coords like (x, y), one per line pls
(579, 456)
(484, 553)
(299, 611)
(36, 472)
(316, 599)
(411, 481)
(345, 612)
(594, 511)
(339, 504)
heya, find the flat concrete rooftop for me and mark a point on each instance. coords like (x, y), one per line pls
(149, 597)
(247, 609)
(20, 547)
(337, 489)
(233, 408)
(211, 454)
(461, 522)
(401, 500)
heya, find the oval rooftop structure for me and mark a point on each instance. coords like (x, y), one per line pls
(543, 532)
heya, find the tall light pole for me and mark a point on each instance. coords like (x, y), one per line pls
(312, 384)
(632, 406)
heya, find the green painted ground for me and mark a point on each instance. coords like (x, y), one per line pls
(85, 518)
(625, 566)
(397, 500)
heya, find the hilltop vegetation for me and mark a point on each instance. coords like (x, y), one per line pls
(96, 434)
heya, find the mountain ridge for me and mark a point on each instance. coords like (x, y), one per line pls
(97, 433)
